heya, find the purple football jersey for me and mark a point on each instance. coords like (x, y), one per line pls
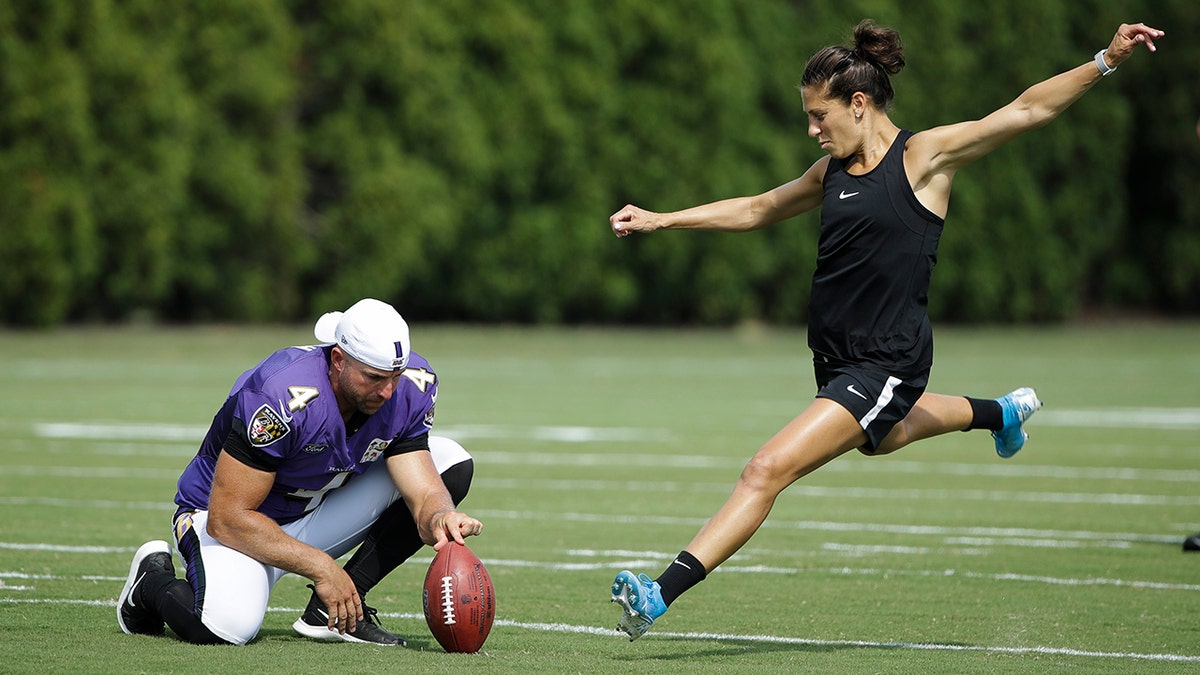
(289, 411)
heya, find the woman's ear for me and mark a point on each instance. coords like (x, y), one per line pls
(859, 103)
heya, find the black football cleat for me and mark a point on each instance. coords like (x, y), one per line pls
(153, 557)
(314, 624)
(1192, 543)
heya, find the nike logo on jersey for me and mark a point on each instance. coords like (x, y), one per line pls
(850, 388)
(846, 195)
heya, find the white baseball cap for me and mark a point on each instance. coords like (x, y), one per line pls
(371, 331)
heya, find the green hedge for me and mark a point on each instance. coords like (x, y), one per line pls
(266, 160)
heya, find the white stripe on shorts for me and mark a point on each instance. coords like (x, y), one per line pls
(885, 397)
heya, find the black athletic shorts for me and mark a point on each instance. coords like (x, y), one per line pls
(877, 400)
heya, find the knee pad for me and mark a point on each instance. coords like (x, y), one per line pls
(458, 480)
(455, 465)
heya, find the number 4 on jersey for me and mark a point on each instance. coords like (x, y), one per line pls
(314, 497)
(301, 397)
(420, 377)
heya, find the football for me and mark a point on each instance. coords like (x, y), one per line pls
(459, 600)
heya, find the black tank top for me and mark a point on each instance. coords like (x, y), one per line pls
(875, 257)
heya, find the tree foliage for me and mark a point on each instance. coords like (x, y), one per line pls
(271, 159)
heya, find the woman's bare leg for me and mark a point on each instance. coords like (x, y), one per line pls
(822, 432)
(933, 415)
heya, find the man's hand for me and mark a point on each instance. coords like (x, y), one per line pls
(421, 487)
(337, 591)
(449, 526)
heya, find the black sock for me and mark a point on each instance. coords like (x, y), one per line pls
(391, 540)
(175, 602)
(987, 414)
(683, 573)
(394, 537)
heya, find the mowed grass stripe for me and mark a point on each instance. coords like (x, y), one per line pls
(648, 520)
(89, 432)
(1170, 419)
(623, 559)
(665, 487)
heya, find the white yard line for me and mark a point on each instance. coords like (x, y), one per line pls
(596, 485)
(617, 559)
(1182, 419)
(100, 434)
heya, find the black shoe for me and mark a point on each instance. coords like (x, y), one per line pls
(1192, 543)
(314, 623)
(153, 557)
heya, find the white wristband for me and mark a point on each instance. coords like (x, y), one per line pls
(1105, 71)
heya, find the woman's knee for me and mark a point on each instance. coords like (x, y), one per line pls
(766, 473)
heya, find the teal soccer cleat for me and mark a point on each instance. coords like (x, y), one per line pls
(641, 603)
(1018, 407)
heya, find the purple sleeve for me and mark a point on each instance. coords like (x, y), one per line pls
(268, 429)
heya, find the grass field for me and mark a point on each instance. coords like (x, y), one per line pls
(600, 450)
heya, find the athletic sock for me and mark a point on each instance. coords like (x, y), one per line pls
(683, 573)
(391, 540)
(986, 414)
(175, 602)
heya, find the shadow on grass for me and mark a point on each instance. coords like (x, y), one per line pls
(721, 646)
(417, 643)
